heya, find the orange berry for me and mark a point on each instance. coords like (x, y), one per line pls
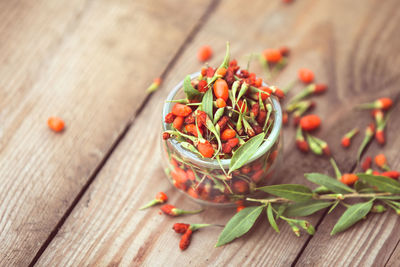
(385, 103)
(178, 122)
(306, 75)
(310, 122)
(56, 124)
(221, 89)
(345, 141)
(191, 128)
(205, 149)
(272, 55)
(162, 197)
(204, 53)
(221, 71)
(221, 103)
(267, 91)
(380, 160)
(349, 178)
(228, 134)
(181, 110)
(239, 208)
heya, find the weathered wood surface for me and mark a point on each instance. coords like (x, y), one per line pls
(106, 228)
(106, 60)
(88, 62)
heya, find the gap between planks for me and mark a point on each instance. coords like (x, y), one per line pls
(204, 17)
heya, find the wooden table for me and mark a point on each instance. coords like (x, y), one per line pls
(73, 198)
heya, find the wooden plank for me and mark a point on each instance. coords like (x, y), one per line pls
(372, 242)
(106, 226)
(88, 62)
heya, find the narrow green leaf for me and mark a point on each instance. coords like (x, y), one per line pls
(271, 218)
(210, 126)
(243, 90)
(245, 151)
(329, 182)
(207, 103)
(352, 215)
(293, 192)
(281, 210)
(190, 91)
(306, 208)
(239, 224)
(218, 115)
(336, 168)
(381, 182)
(191, 148)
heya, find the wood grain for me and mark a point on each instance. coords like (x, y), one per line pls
(88, 62)
(106, 227)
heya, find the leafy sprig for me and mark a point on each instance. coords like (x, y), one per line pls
(294, 200)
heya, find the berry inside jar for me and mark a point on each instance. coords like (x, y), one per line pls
(221, 133)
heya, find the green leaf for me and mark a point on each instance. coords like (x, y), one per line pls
(306, 208)
(210, 126)
(218, 114)
(243, 90)
(293, 192)
(381, 182)
(190, 91)
(271, 218)
(352, 215)
(361, 186)
(207, 103)
(239, 224)
(329, 182)
(245, 151)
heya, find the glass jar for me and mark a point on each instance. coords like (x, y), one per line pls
(203, 180)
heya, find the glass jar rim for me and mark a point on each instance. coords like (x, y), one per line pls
(213, 163)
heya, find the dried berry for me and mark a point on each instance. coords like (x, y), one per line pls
(204, 53)
(272, 55)
(173, 211)
(310, 122)
(206, 149)
(161, 197)
(228, 134)
(180, 228)
(366, 163)
(349, 178)
(56, 124)
(221, 89)
(346, 140)
(181, 110)
(306, 75)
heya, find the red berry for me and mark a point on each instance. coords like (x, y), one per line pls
(349, 178)
(310, 122)
(272, 55)
(204, 53)
(228, 134)
(205, 149)
(181, 110)
(306, 75)
(221, 89)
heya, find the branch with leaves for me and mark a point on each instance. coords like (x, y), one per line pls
(295, 200)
